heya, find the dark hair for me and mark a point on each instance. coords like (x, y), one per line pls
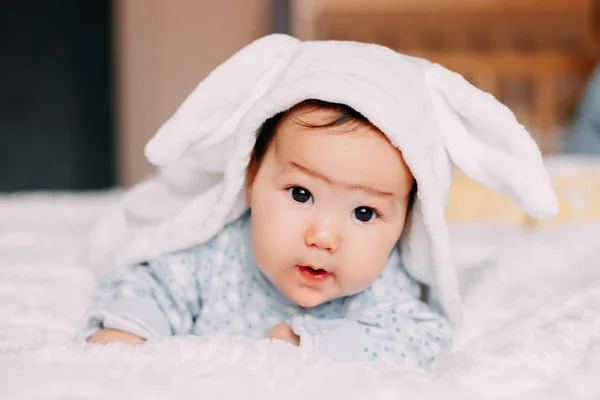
(344, 115)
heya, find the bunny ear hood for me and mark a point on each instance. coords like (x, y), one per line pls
(434, 116)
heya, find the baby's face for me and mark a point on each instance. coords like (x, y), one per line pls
(328, 205)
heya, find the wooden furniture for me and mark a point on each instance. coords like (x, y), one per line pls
(163, 50)
(534, 55)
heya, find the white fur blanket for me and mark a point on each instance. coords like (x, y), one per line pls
(531, 327)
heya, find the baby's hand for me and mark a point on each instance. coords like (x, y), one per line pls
(283, 332)
(107, 335)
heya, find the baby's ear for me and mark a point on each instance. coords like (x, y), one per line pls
(484, 139)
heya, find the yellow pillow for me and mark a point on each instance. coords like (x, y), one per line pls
(471, 202)
(576, 181)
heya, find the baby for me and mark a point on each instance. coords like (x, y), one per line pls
(315, 262)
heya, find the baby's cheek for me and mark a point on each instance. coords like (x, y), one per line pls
(357, 277)
(272, 241)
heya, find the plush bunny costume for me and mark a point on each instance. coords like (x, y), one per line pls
(434, 116)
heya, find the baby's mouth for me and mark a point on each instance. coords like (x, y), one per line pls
(312, 274)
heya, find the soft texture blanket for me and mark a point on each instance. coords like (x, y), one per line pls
(531, 325)
(434, 116)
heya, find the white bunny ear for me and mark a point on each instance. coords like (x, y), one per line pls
(212, 111)
(484, 139)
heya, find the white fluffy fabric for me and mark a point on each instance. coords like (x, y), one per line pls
(531, 325)
(434, 116)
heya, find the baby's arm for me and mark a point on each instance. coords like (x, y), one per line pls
(145, 301)
(108, 335)
(387, 322)
(283, 331)
(404, 332)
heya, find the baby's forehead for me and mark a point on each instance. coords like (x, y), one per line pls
(357, 147)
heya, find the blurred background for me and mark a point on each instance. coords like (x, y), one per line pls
(86, 84)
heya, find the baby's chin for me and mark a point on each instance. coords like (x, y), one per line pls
(307, 298)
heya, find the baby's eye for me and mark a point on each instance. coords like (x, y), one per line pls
(300, 195)
(364, 214)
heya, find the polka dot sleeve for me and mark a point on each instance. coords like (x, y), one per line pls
(399, 328)
(387, 323)
(154, 299)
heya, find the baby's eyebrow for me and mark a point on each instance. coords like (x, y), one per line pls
(368, 189)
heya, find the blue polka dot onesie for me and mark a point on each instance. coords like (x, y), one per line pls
(217, 288)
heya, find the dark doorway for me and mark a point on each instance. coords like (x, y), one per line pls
(56, 130)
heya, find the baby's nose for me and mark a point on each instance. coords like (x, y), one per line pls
(324, 236)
